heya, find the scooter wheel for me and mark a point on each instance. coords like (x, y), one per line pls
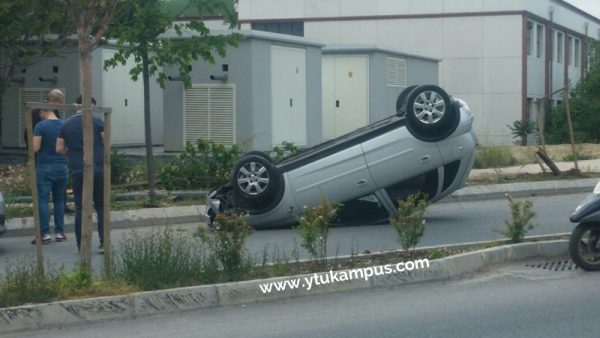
(584, 246)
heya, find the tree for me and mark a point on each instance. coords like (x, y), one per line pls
(31, 30)
(584, 104)
(141, 35)
(92, 19)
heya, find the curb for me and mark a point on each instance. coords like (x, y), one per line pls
(140, 304)
(523, 189)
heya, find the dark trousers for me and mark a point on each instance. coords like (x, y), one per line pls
(98, 198)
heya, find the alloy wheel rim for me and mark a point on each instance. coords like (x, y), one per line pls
(253, 178)
(429, 107)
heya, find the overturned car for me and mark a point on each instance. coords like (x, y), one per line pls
(427, 146)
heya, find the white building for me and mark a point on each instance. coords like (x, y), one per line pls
(498, 55)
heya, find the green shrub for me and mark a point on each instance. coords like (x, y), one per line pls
(162, 259)
(200, 166)
(520, 221)
(494, 157)
(227, 246)
(409, 223)
(313, 228)
(283, 150)
(121, 168)
(520, 130)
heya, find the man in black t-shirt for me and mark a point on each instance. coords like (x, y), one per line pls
(70, 143)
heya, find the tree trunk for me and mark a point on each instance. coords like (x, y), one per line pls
(148, 131)
(88, 157)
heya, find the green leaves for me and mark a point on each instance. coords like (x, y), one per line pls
(410, 220)
(142, 33)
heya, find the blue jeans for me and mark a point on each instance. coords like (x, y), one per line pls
(51, 178)
(97, 197)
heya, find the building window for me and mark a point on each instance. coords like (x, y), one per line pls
(289, 27)
(559, 47)
(529, 37)
(539, 41)
(569, 50)
(577, 53)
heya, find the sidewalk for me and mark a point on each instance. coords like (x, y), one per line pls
(189, 214)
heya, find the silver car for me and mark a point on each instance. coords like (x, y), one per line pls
(427, 146)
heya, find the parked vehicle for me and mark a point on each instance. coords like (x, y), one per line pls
(2, 214)
(428, 145)
(584, 246)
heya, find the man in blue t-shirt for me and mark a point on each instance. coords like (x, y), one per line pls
(51, 175)
(70, 143)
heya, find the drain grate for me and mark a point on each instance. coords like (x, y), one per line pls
(559, 265)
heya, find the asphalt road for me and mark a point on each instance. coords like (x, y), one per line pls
(511, 301)
(447, 223)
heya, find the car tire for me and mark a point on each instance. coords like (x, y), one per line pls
(402, 98)
(255, 178)
(259, 153)
(431, 114)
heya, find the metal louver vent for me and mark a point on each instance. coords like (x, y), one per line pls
(209, 114)
(396, 72)
(29, 95)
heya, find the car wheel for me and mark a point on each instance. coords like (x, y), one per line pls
(401, 101)
(255, 178)
(431, 115)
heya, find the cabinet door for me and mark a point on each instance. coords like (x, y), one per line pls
(288, 95)
(126, 98)
(345, 94)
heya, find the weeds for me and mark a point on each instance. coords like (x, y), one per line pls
(437, 253)
(163, 258)
(580, 157)
(24, 283)
(410, 221)
(520, 221)
(494, 157)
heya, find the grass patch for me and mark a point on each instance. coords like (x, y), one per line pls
(494, 157)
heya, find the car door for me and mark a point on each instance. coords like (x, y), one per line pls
(397, 156)
(339, 177)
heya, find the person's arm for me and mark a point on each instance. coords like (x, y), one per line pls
(61, 148)
(37, 143)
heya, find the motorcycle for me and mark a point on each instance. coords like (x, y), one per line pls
(584, 245)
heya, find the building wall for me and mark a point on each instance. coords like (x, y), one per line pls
(68, 78)
(480, 42)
